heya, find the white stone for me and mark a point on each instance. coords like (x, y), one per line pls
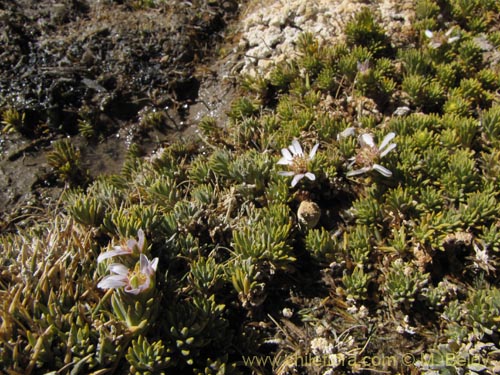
(263, 22)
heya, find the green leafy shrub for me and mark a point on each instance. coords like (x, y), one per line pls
(365, 31)
(65, 159)
(403, 282)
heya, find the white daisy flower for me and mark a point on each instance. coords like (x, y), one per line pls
(294, 157)
(369, 155)
(437, 39)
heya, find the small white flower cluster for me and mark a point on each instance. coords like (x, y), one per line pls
(405, 327)
(332, 353)
(367, 157)
(133, 281)
(320, 346)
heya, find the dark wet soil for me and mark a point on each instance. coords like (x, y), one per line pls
(106, 64)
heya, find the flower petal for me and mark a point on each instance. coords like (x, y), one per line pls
(118, 268)
(347, 132)
(389, 137)
(113, 281)
(297, 148)
(154, 264)
(363, 66)
(118, 250)
(132, 244)
(148, 267)
(429, 34)
(134, 291)
(358, 171)
(310, 176)
(366, 139)
(284, 161)
(141, 240)
(391, 147)
(312, 154)
(382, 170)
(286, 173)
(296, 179)
(144, 263)
(453, 39)
(286, 154)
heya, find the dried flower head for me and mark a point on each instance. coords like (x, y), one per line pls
(309, 214)
(132, 246)
(134, 281)
(369, 154)
(287, 312)
(294, 157)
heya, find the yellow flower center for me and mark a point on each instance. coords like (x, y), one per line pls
(367, 156)
(136, 277)
(299, 164)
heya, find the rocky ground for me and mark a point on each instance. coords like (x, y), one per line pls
(104, 64)
(271, 28)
